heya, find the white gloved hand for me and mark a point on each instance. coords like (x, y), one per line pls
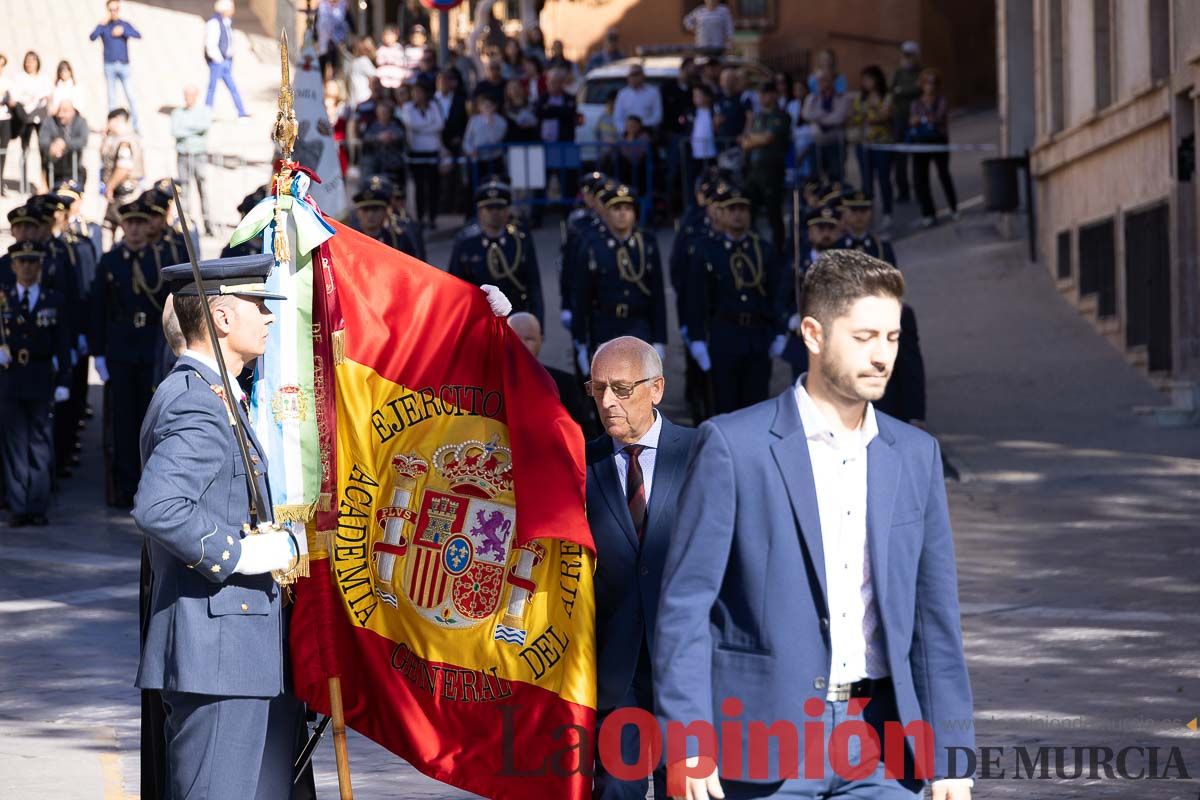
(661, 349)
(81, 346)
(5, 357)
(566, 318)
(700, 354)
(500, 304)
(794, 323)
(776, 348)
(61, 394)
(101, 368)
(581, 358)
(264, 552)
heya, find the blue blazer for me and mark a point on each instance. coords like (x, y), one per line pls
(743, 611)
(628, 575)
(210, 631)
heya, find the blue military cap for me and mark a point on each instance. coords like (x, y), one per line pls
(26, 214)
(69, 189)
(857, 199)
(26, 250)
(240, 275)
(729, 194)
(594, 181)
(135, 209)
(825, 215)
(493, 193)
(376, 191)
(155, 201)
(617, 195)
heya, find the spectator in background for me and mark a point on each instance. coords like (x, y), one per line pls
(362, 70)
(121, 168)
(676, 125)
(610, 51)
(535, 79)
(451, 101)
(32, 90)
(63, 138)
(731, 109)
(423, 125)
(632, 153)
(904, 91)
(766, 143)
(514, 60)
(929, 123)
(710, 73)
(783, 88)
(871, 116)
(337, 114)
(712, 23)
(485, 129)
(802, 136)
(795, 102)
(535, 44)
(427, 68)
(638, 99)
(826, 110)
(218, 51)
(190, 124)
(389, 59)
(557, 118)
(6, 118)
(383, 143)
(464, 65)
(332, 30)
(703, 133)
(827, 62)
(560, 61)
(521, 115)
(607, 133)
(363, 114)
(493, 84)
(115, 34)
(64, 87)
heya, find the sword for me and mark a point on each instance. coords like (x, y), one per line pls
(239, 432)
(310, 747)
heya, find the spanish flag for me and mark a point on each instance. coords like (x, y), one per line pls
(451, 585)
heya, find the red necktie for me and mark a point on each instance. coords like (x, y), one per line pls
(635, 489)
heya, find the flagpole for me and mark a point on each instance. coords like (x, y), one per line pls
(284, 133)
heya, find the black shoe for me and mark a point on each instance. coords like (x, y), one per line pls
(18, 521)
(39, 520)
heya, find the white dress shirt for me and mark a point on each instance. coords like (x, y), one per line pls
(704, 139)
(839, 465)
(646, 460)
(33, 291)
(644, 103)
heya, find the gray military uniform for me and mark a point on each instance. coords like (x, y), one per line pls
(215, 639)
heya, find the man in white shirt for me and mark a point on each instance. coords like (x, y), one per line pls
(218, 52)
(713, 25)
(811, 579)
(638, 99)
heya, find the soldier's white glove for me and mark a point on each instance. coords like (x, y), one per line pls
(61, 394)
(794, 323)
(566, 318)
(5, 357)
(81, 346)
(661, 349)
(700, 354)
(776, 349)
(581, 358)
(101, 368)
(264, 552)
(500, 304)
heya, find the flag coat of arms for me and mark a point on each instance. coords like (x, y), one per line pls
(451, 586)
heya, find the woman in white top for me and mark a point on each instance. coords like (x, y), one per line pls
(64, 88)
(32, 90)
(423, 125)
(362, 70)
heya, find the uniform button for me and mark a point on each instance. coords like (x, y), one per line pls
(743, 298)
(824, 623)
(245, 607)
(819, 683)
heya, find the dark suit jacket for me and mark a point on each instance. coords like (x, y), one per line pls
(743, 611)
(904, 398)
(628, 575)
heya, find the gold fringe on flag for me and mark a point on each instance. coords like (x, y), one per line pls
(339, 347)
(324, 502)
(320, 543)
(298, 512)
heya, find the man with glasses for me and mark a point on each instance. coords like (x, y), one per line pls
(634, 474)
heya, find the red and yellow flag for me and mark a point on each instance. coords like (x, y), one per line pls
(451, 584)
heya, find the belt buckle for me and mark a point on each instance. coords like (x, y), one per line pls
(622, 310)
(745, 319)
(838, 692)
(139, 319)
(22, 356)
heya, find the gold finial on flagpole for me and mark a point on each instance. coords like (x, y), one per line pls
(286, 128)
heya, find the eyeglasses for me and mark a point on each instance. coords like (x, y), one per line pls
(623, 391)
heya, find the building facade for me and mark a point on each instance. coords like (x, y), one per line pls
(1108, 113)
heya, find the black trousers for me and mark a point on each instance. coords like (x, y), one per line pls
(426, 182)
(739, 380)
(921, 178)
(28, 453)
(130, 386)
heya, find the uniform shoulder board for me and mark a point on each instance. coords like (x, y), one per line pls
(470, 230)
(513, 230)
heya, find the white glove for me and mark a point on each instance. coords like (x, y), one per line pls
(101, 368)
(81, 346)
(776, 349)
(5, 357)
(501, 307)
(581, 358)
(566, 317)
(661, 349)
(794, 323)
(264, 552)
(61, 394)
(700, 354)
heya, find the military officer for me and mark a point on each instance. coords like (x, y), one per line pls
(77, 223)
(124, 336)
(161, 236)
(495, 251)
(229, 726)
(824, 230)
(84, 238)
(732, 309)
(581, 223)
(620, 292)
(253, 245)
(856, 220)
(34, 374)
(400, 220)
(58, 268)
(698, 224)
(372, 216)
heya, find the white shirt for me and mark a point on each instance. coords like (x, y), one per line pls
(646, 460)
(211, 363)
(839, 465)
(212, 37)
(424, 128)
(644, 103)
(704, 140)
(34, 292)
(713, 27)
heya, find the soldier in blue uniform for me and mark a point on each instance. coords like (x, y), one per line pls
(856, 220)
(620, 292)
(124, 336)
(214, 643)
(77, 223)
(400, 219)
(732, 311)
(824, 229)
(34, 374)
(698, 224)
(581, 223)
(167, 241)
(372, 216)
(497, 252)
(84, 238)
(254, 245)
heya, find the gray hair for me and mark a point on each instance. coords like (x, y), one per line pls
(633, 348)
